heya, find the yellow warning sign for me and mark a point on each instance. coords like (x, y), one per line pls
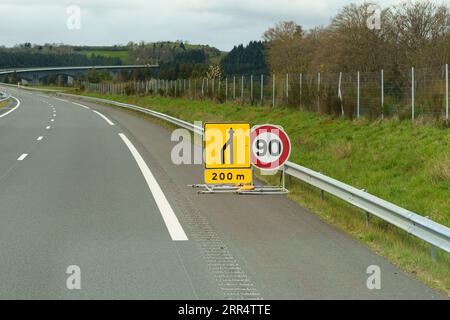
(228, 176)
(227, 145)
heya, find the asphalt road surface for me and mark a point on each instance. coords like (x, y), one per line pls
(94, 187)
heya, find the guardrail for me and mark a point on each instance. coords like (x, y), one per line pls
(435, 234)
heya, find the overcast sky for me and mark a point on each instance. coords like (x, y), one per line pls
(220, 23)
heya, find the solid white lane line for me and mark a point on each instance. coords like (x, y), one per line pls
(104, 118)
(173, 225)
(22, 157)
(13, 109)
(40, 138)
(61, 100)
(81, 105)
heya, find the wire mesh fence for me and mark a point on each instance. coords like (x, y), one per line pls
(406, 94)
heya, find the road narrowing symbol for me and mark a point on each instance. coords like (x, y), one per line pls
(227, 146)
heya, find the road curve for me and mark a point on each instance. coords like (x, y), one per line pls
(93, 186)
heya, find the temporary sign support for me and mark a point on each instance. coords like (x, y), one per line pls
(245, 189)
(230, 150)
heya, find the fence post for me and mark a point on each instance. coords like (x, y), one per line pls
(273, 91)
(412, 94)
(195, 88)
(340, 94)
(446, 94)
(219, 87)
(318, 92)
(262, 88)
(287, 87)
(358, 98)
(226, 89)
(242, 88)
(251, 88)
(301, 89)
(382, 94)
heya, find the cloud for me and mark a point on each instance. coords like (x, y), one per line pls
(221, 23)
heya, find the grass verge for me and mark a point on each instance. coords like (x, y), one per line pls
(46, 88)
(404, 163)
(4, 103)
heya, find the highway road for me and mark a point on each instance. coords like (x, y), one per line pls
(93, 186)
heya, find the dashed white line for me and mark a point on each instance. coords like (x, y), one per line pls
(22, 157)
(104, 118)
(47, 127)
(53, 120)
(40, 138)
(61, 100)
(173, 225)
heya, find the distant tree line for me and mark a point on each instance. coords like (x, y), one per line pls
(176, 59)
(245, 60)
(24, 59)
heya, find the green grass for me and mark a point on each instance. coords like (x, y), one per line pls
(49, 87)
(404, 163)
(4, 103)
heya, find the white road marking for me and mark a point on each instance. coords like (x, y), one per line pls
(13, 109)
(48, 127)
(40, 138)
(22, 157)
(81, 105)
(173, 225)
(53, 120)
(61, 100)
(105, 118)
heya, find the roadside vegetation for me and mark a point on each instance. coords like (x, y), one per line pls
(4, 103)
(406, 164)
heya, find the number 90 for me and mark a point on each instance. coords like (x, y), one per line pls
(273, 148)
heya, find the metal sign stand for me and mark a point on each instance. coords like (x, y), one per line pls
(244, 189)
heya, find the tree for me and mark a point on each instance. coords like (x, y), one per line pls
(245, 60)
(284, 44)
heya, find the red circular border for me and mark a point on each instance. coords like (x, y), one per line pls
(286, 148)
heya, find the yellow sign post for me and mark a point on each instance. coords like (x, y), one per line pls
(227, 153)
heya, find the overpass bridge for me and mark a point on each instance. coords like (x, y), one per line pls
(36, 74)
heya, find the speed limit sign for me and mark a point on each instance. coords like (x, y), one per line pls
(270, 147)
